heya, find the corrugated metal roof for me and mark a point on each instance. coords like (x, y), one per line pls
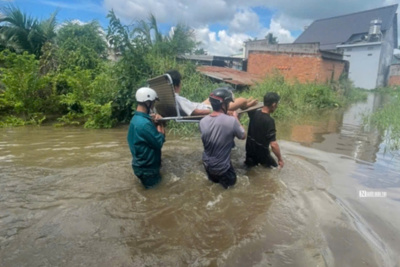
(208, 58)
(229, 75)
(330, 32)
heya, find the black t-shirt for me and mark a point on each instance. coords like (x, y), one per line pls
(261, 133)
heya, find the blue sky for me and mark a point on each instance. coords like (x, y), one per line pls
(67, 10)
(220, 25)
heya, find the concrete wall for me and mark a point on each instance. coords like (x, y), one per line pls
(394, 75)
(295, 66)
(262, 45)
(364, 63)
(386, 56)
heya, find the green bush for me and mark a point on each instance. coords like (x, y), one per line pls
(98, 116)
(25, 90)
(387, 119)
(9, 121)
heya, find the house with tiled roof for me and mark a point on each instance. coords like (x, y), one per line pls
(366, 39)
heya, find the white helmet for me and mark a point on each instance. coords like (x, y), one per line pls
(146, 94)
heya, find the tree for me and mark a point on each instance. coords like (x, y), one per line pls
(200, 51)
(20, 32)
(271, 38)
(144, 52)
(82, 46)
(251, 39)
(25, 89)
(182, 40)
(132, 67)
(148, 31)
(118, 34)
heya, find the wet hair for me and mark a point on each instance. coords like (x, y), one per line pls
(175, 76)
(271, 98)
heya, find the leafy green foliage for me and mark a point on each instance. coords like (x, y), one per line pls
(25, 89)
(98, 116)
(304, 98)
(182, 40)
(131, 70)
(387, 119)
(195, 86)
(9, 121)
(200, 51)
(82, 46)
(271, 38)
(20, 32)
(89, 99)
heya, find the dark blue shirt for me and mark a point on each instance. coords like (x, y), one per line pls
(145, 142)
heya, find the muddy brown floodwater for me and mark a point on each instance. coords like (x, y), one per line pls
(68, 197)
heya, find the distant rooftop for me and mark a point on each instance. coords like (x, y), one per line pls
(330, 32)
(396, 59)
(228, 75)
(208, 57)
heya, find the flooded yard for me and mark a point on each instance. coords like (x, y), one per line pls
(68, 197)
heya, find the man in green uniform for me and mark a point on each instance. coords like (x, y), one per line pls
(146, 139)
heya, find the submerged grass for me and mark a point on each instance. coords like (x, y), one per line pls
(296, 101)
(387, 119)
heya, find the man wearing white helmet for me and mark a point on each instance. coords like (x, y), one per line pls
(146, 139)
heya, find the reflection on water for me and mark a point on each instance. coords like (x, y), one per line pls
(343, 132)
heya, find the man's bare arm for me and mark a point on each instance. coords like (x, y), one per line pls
(236, 116)
(201, 112)
(277, 151)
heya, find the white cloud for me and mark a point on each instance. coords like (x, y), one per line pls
(193, 13)
(224, 43)
(245, 21)
(309, 10)
(283, 35)
(292, 24)
(207, 12)
(220, 43)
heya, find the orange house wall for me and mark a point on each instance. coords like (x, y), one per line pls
(295, 66)
(394, 79)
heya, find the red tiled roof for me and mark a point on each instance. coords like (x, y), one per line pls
(229, 75)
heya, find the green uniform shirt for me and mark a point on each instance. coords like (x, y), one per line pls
(145, 142)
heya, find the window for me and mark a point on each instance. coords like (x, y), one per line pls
(349, 49)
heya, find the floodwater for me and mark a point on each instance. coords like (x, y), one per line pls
(68, 197)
